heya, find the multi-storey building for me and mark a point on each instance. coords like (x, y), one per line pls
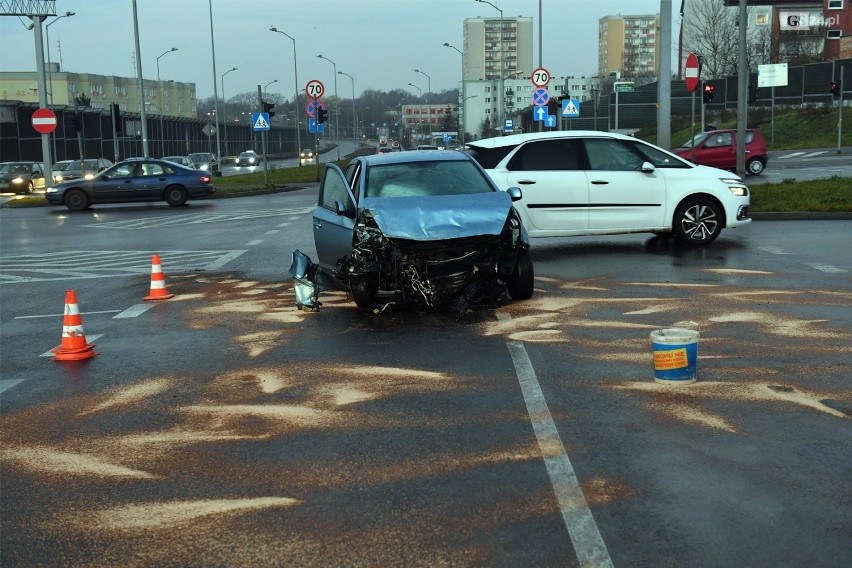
(629, 45)
(493, 43)
(169, 98)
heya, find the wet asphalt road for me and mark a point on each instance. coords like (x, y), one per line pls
(225, 428)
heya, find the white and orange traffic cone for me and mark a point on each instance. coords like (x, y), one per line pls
(74, 346)
(158, 282)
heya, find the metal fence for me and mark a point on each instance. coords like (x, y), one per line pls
(167, 136)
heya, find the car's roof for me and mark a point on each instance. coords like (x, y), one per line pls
(515, 139)
(416, 156)
(19, 162)
(173, 157)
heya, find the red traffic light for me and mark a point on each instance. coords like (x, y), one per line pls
(708, 92)
(834, 88)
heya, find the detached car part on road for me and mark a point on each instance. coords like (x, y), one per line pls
(579, 183)
(427, 230)
(135, 179)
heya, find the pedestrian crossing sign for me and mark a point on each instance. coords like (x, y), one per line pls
(260, 121)
(570, 108)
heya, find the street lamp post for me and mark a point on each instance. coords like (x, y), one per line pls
(296, 96)
(50, 73)
(225, 110)
(336, 114)
(215, 88)
(269, 83)
(429, 87)
(354, 125)
(160, 87)
(502, 94)
(462, 115)
(420, 113)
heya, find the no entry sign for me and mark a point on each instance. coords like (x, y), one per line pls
(44, 121)
(691, 73)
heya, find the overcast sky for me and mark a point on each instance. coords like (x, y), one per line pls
(379, 42)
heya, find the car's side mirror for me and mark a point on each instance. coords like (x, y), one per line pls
(648, 167)
(341, 207)
(515, 193)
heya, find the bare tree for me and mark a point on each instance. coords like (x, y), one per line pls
(710, 30)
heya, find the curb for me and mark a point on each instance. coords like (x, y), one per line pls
(802, 216)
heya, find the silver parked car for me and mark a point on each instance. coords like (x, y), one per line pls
(423, 229)
(182, 160)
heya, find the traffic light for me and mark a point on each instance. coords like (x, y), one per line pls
(321, 115)
(708, 92)
(752, 94)
(267, 107)
(116, 116)
(74, 122)
(834, 89)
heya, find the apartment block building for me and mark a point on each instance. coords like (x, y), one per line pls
(629, 45)
(167, 98)
(494, 43)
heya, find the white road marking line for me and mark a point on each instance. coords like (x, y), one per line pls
(254, 242)
(812, 154)
(585, 536)
(60, 315)
(89, 339)
(133, 311)
(774, 250)
(825, 267)
(223, 260)
(793, 155)
(6, 384)
(272, 232)
(284, 225)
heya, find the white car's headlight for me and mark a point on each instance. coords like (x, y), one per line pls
(739, 190)
(50, 190)
(18, 180)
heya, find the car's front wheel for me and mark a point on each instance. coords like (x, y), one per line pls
(522, 281)
(698, 221)
(76, 200)
(176, 196)
(363, 289)
(29, 188)
(755, 166)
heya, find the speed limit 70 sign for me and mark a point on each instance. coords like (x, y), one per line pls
(315, 89)
(540, 77)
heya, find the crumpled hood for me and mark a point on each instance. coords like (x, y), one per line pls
(440, 218)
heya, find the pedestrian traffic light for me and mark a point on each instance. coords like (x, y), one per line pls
(321, 115)
(267, 107)
(752, 94)
(834, 89)
(708, 92)
(74, 122)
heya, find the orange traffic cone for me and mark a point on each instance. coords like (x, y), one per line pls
(74, 346)
(158, 282)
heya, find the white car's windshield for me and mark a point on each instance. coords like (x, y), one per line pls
(421, 179)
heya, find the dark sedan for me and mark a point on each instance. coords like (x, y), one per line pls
(21, 177)
(136, 179)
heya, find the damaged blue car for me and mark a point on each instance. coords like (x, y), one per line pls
(421, 229)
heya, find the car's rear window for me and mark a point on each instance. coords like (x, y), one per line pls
(488, 158)
(423, 179)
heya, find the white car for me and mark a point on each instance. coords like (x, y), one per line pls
(578, 183)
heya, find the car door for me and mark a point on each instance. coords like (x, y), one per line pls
(717, 150)
(622, 197)
(115, 184)
(555, 188)
(152, 180)
(334, 218)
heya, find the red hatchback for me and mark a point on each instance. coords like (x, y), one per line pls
(717, 148)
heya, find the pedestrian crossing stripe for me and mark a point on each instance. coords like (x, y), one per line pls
(261, 123)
